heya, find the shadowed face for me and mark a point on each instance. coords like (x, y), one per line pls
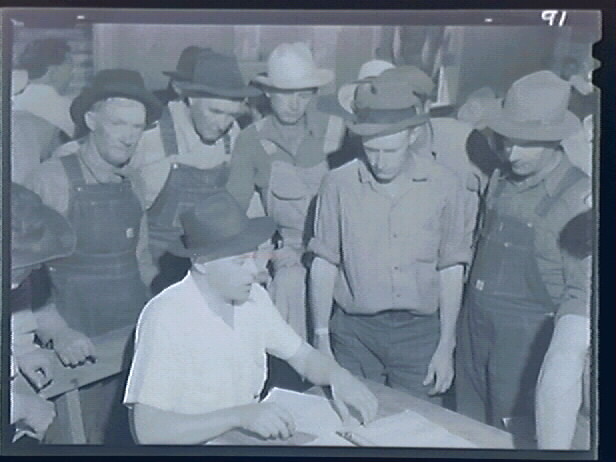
(212, 117)
(528, 158)
(289, 106)
(232, 277)
(388, 156)
(116, 125)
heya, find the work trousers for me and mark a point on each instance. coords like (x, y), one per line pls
(499, 354)
(393, 347)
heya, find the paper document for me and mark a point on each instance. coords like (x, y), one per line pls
(406, 429)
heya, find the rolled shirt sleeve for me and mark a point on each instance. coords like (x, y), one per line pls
(457, 230)
(326, 242)
(576, 297)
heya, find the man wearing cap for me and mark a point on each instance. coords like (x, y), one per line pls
(38, 234)
(186, 157)
(519, 279)
(200, 364)
(102, 286)
(284, 157)
(182, 73)
(390, 246)
(50, 67)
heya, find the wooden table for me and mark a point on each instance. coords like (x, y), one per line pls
(394, 401)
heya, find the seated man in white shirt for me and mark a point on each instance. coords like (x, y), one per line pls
(200, 353)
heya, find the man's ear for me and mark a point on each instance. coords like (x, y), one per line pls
(90, 119)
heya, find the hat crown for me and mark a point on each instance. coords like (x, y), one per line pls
(216, 70)
(187, 60)
(290, 62)
(390, 90)
(110, 77)
(217, 218)
(541, 97)
(373, 68)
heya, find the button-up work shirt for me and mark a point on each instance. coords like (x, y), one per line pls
(389, 251)
(188, 360)
(153, 164)
(566, 279)
(251, 162)
(50, 182)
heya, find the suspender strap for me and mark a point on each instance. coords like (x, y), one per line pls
(73, 170)
(570, 178)
(167, 133)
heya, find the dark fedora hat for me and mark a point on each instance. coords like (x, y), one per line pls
(38, 233)
(218, 228)
(389, 103)
(186, 63)
(218, 75)
(110, 83)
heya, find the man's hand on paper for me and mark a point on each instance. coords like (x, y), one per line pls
(72, 347)
(268, 420)
(35, 366)
(347, 390)
(440, 371)
(32, 414)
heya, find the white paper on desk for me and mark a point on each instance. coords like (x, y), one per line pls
(408, 429)
(312, 414)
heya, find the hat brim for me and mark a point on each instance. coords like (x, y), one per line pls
(372, 129)
(329, 104)
(318, 78)
(88, 97)
(256, 232)
(177, 75)
(533, 131)
(346, 93)
(58, 241)
(197, 89)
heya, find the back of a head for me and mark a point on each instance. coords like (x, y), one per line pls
(40, 54)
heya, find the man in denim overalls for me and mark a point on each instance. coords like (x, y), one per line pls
(185, 159)
(519, 279)
(102, 286)
(284, 157)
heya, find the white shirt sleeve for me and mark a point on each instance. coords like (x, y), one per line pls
(282, 340)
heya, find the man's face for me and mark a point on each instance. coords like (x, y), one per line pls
(388, 156)
(232, 277)
(117, 125)
(212, 117)
(528, 157)
(289, 106)
(63, 73)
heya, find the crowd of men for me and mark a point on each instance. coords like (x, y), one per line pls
(355, 237)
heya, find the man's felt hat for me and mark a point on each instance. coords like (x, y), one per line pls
(535, 109)
(186, 63)
(217, 75)
(218, 228)
(111, 83)
(291, 66)
(369, 69)
(390, 103)
(38, 233)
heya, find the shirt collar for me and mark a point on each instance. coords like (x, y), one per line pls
(417, 171)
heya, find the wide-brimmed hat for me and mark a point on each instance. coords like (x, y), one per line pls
(110, 83)
(291, 67)
(389, 103)
(535, 109)
(38, 233)
(218, 75)
(217, 228)
(372, 68)
(186, 63)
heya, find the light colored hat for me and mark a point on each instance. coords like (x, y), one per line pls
(535, 109)
(291, 67)
(480, 106)
(346, 94)
(19, 80)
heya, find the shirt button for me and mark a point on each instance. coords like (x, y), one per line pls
(398, 295)
(507, 244)
(396, 268)
(530, 225)
(395, 235)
